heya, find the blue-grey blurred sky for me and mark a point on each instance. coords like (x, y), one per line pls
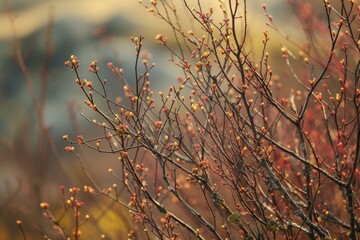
(75, 28)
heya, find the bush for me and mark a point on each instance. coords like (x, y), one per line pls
(235, 149)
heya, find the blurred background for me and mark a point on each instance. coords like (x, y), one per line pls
(41, 102)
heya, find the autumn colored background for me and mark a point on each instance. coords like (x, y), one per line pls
(33, 164)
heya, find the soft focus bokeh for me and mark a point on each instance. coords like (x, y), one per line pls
(33, 163)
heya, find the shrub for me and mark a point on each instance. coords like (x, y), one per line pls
(236, 149)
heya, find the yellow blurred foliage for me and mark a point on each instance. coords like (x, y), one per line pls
(106, 219)
(4, 232)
